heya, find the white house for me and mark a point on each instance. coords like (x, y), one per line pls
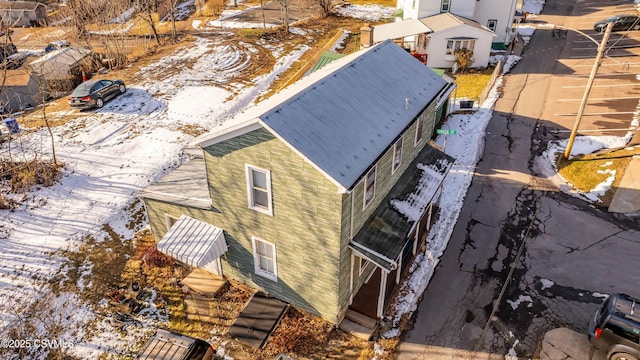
(496, 15)
(435, 39)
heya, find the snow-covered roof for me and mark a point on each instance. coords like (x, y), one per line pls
(386, 233)
(342, 117)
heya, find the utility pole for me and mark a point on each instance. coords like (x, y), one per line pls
(587, 90)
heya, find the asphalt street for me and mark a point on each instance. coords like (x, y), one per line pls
(565, 252)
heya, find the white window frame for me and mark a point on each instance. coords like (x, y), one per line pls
(445, 5)
(494, 26)
(454, 45)
(258, 269)
(419, 131)
(250, 189)
(366, 202)
(397, 154)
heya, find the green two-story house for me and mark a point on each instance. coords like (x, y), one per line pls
(320, 195)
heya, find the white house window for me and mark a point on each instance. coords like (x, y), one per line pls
(418, 131)
(454, 45)
(259, 189)
(397, 155)
(369, 186)
(363, 264)
(445, 5)
(264, 259)
(492, 24)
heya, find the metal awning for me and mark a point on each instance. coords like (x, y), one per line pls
(193, 242)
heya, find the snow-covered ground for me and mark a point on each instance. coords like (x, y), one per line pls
(111, 154)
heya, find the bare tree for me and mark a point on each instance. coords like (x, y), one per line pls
(284, 8)
(172, 15)
(326, 7)
(147, 9)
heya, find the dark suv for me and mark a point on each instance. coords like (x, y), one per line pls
(167, 345)
(615, 328)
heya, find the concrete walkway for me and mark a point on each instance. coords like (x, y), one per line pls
(627, 196)
(566, 344)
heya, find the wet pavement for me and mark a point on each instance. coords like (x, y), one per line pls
(524, 258)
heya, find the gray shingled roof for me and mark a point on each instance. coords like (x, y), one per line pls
(385, 234)
(186, 185)
(448, 20)
(343, 122)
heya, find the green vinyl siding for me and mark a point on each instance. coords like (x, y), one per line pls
(384, 179)
(311, 223)
(305, 225)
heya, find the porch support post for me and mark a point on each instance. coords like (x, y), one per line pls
(383, 290)
(399, 269)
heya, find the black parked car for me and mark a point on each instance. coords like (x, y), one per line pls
(620, 23)
(615, 328)
(94, 93)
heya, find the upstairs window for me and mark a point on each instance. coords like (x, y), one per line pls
(259, 189)
(369, 187)
(445, 5)
(397, 155)
(492, 24)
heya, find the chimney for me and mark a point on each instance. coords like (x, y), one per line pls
(366, 36)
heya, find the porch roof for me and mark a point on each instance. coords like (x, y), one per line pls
(399, 29)
(193, 242)
(386, 232)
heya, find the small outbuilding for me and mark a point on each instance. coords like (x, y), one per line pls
(23, 13)
(62, 68)
(21, 90)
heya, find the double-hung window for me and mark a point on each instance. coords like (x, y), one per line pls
(264, 259)
(369, 187)
(259, 189)
(397, 155)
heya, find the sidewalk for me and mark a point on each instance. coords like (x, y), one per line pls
(566, 344)
(627, 196)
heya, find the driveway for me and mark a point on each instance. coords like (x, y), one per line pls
(557, 255)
